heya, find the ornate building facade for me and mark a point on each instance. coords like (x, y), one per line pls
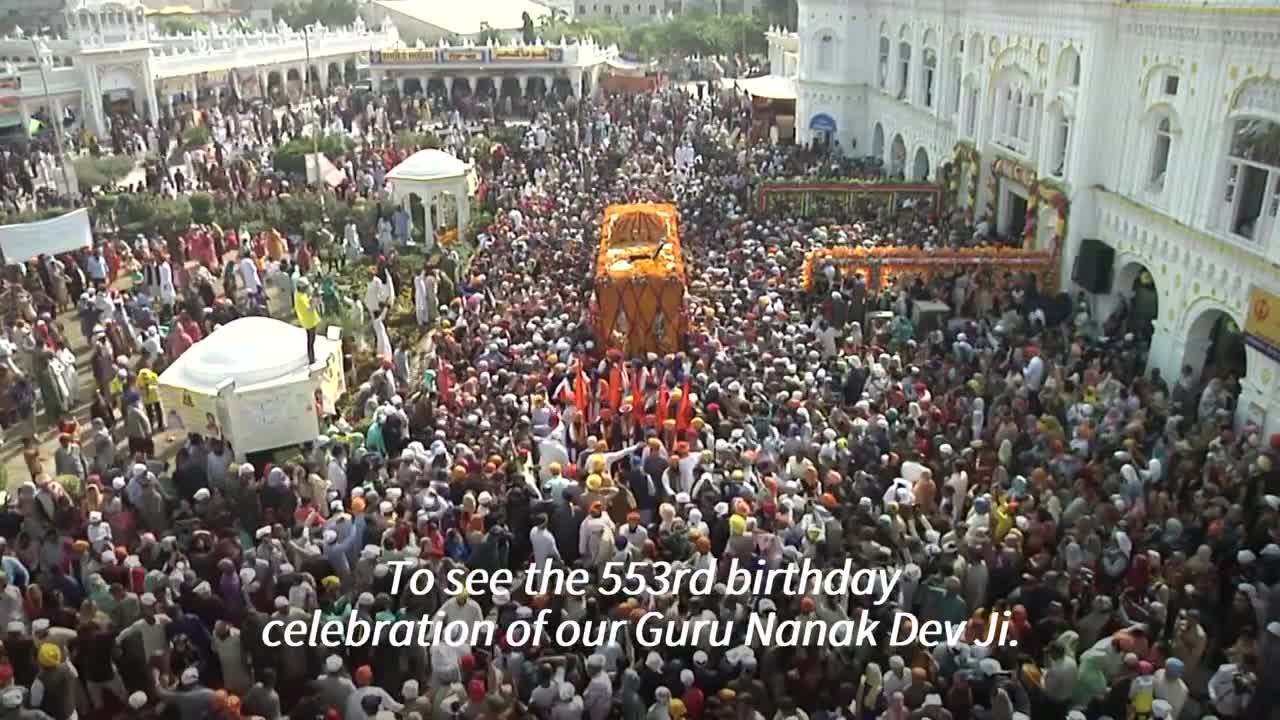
(1153, 127)
(112, 61)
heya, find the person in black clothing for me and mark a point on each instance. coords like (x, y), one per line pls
(21, 651)
(566, 521)
(93, 654)
(645, 488)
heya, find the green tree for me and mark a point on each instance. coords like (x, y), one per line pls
(201, 207)
(195, 136)
(103, 171)
(527, 31)
(298, 14)
(488, 34)
(782, 13)
(181, 25)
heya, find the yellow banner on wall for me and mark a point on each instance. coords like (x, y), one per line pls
(406, 55)
(528, 52)
(1262, 327)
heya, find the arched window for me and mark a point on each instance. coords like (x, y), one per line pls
(971, 109)
(928, 90)
(1060, 142)
(904, 64)
(975, 50)
(885, 46)
(955, 72)
(930, 75)
(1251, 197)
(953, 94)
(1069, 68)
(826, 52)
(1016, 115)
(1160, 150)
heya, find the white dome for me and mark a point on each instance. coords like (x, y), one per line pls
(429, 165)
(250, 350)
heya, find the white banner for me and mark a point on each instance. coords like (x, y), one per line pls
(26, 241)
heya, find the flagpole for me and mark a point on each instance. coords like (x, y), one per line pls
(48, 104)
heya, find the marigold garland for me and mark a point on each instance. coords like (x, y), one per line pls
(901, 259)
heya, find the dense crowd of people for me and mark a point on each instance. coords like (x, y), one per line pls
(1018, 466)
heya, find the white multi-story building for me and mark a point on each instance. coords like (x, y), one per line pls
(111, 60)
(1157, 122)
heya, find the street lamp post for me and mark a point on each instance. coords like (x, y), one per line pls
(306, 91)
(45, 55)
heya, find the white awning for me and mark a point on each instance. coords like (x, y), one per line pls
(774, 87)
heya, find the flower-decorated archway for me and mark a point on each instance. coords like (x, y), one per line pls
(1038, 191)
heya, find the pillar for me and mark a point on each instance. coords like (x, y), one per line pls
(448, 85)
(464, 208)
(262, 82)
(422, 82)
(1257, 402)
(524, 85)
(432, 212)
(1165, 353)
(192, 89)
(474, 81)
(26, 117)
(406, 203)
(575, 83)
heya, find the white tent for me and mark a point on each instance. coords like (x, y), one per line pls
(773, 87)
(249, 382)
(431, 174)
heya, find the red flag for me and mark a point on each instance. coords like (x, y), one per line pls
(581, 390)
(637, 395)
(664, 399)
(615, 387)
(444, 380)
(685, 412)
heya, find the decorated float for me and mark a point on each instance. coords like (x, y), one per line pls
(810, 197)
(878, 266)
(640, 280)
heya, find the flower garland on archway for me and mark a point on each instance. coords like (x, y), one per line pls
(966, 161)
(1050, 192)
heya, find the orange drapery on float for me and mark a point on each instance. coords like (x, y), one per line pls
(640, 281)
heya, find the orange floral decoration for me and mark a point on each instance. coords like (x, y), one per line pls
(906, 259)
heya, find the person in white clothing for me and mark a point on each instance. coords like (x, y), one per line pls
(168, 292)
(544, 543)
(250, 279)
(1033, 373)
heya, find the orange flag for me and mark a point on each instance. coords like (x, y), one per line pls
(685, 412)
(637, 395)
(615, 387)
(581, 390)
